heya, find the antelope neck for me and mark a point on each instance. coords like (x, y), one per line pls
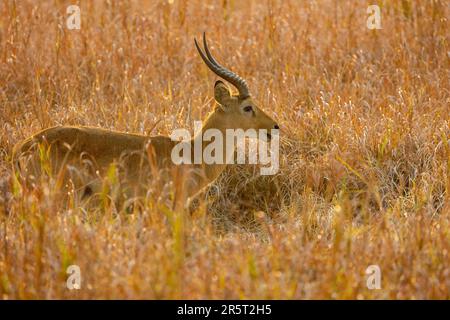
(213, 121)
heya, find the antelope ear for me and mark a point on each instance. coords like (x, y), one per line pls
(222, 94)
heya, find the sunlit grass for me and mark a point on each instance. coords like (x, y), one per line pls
(364, 161)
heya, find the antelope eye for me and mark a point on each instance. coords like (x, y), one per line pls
(248, 109)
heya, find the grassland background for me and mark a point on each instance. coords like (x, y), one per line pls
(364, 172)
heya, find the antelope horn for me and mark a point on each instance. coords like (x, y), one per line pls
(221, 71)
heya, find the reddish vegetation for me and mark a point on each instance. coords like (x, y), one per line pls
(365, 159)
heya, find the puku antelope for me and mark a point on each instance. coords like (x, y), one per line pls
(68, 147)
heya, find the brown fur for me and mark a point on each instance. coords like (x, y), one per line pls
(139, 156)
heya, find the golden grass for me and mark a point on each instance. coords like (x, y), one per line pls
(365, 158)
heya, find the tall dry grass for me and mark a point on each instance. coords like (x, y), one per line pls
(365, 154)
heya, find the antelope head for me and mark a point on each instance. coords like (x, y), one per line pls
(235, 111)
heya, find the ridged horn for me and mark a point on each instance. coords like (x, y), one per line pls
(221, 71)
